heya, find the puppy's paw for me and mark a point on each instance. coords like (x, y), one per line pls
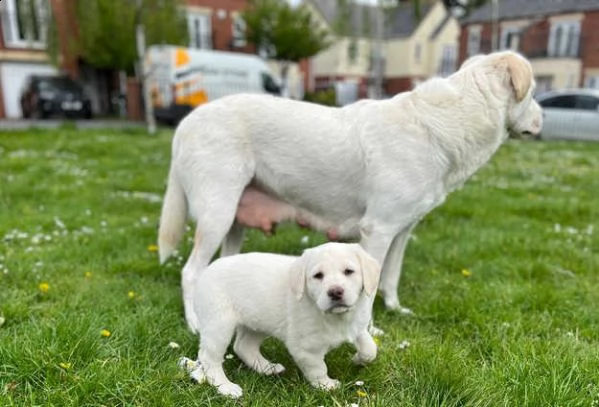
(374, 331)
(274, 369)
(363, 359)
(230, 390)
(327, 384)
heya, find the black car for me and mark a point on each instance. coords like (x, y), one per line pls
(46, 96)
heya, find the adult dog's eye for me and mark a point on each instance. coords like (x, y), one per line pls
(318, 276)
(348, 272)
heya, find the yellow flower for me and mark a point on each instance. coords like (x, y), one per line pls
(44, 287)
(131, 294)
(466, 273)
(65, 365)
(376, 340)
(105, 333)
(88, 274)
(362, 393)
(152, 248)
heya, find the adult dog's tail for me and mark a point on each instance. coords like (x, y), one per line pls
(172, 218)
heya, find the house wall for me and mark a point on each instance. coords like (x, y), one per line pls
(222, 13)
(590, 47)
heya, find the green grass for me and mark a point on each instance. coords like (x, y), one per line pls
(521, 330)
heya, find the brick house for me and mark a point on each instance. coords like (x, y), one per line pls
(561, 38)
(212, 24)
(413, 49)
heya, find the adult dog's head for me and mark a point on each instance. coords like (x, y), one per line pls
(507, 74)
(334, 276)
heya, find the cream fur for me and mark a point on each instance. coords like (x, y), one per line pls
(370, 170)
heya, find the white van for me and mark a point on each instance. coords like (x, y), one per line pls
(182, 78)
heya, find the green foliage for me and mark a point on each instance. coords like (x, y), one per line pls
(107, 29)
(283, 32)
(322, 97)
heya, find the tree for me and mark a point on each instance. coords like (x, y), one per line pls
(107, 30)
(283, 33)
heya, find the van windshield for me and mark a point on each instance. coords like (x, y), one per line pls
(269, 84)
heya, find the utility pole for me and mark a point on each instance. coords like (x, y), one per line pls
(495, 24)
(140, 36)
(376, 91)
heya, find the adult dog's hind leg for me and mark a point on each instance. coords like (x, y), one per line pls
(215, 212)
(233, 240)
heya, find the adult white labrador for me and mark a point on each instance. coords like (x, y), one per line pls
(371, 170)
(312, 303)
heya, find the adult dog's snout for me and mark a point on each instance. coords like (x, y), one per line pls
(335, 293)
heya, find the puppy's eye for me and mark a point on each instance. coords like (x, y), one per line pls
(348, 272)
(319, 275)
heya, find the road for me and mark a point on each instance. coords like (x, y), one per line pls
(22, 124)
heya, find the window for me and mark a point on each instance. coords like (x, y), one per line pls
(592, 82)
(448, 60)
(25, 23)
(269, 84)
(417, 53)
(239, 27)
(564, 39)
(582, 102)
(200, 30)
(585, 102)
(510, 38)
(473, 40)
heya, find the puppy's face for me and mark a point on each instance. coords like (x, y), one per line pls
(334, 276)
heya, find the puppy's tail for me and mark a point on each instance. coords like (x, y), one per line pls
(172, 218)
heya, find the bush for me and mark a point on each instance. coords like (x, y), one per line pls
(322, 97)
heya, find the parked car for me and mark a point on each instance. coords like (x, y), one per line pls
(47, 96)
(570, 114)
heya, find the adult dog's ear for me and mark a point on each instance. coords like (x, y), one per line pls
(297, 277)
(520, 73)
(371, 269)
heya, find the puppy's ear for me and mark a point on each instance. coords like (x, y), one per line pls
(520, 74)
(297, 277)
(371, 270)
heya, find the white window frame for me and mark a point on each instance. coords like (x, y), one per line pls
(238, 30)
(564, 39)
(505, 34)
(10, 24)
(201, 39)
(474, 40)
(592, 81)
(448, 60)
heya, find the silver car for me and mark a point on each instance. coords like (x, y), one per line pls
(570, 114)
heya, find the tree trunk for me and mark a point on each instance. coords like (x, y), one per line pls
(284, 78)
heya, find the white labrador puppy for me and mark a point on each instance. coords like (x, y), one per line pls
(371, 170)
(312, 303)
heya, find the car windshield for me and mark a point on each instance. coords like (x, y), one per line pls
(59, 84)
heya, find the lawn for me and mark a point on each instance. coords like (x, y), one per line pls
(503, 280)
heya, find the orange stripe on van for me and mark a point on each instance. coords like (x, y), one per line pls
(181, 57)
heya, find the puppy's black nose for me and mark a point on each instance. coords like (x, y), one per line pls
(335, 293)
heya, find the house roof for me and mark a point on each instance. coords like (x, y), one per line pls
(515, 9)
(401, 21)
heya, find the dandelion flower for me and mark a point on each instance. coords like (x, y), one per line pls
(88, 274)
(105, 333)
(131, 294)
(152, 248)
(44, 287)
(65, 365)
(362, 393)
(173, 345)
(376, 340)
(466, 273)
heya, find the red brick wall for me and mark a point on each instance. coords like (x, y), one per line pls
(486, 40)
(66, 23)
(534, 41)
(222, 31)
(590, 40)
(394, 86)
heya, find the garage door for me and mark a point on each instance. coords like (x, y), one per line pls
(13, 76)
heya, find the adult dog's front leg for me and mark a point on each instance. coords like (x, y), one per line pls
(391, 271)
